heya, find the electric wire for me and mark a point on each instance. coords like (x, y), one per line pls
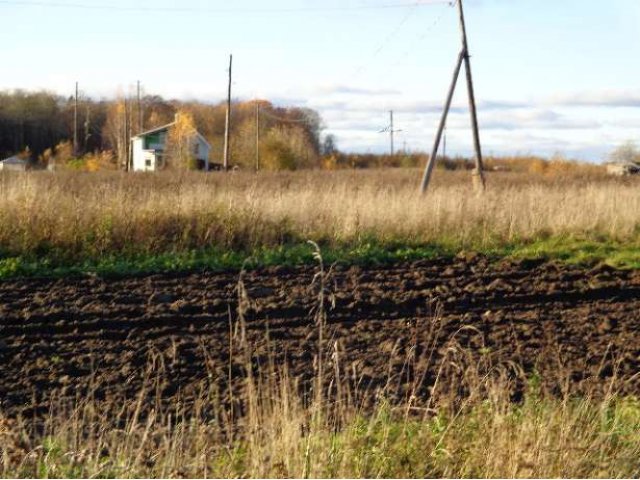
(424, 34)
(389, 38)
(246, 11)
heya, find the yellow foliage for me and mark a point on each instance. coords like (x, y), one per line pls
(181, 142)
(104, 160)
(63, 152)
(330, 162)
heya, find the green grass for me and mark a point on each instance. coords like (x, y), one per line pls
(566, 249)
(540, 437)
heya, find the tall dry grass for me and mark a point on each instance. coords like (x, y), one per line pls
(76, 214)
(283, 436)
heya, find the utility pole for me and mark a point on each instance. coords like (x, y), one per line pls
(140, 112)
(393, 151)
(87, 127)
(130, 123)
(75, 123)
(125, 133)
(257, 136)
(444, 144)
(227, 128)
(392, 131)
(463, 58)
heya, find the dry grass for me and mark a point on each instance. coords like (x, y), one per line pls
(281, 436)
(87, 215)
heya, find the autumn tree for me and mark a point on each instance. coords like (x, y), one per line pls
(628, 152)
(181, 142)
(116, 131)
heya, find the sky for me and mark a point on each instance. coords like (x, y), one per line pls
(551, 76)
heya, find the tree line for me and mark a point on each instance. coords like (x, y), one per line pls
(41, 126)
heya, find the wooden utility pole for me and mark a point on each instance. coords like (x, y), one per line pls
(472, 99)
(87, 127)
(462, 58)
(257, 136)
(444, 144)
(140, 112)
(125, 134)
(75, 123)
(391, 132)
(130, 127)
(227, 128)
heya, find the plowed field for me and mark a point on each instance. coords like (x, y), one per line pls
(70, 336)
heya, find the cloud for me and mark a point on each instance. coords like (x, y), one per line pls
(351, 90)
(536, 119)
(502, 105)
(603, 98)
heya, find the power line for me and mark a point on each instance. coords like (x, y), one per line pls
(449, 3)
(425, 33)
(386, 41)
(246, 11)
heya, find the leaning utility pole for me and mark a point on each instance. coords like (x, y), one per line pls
(462, 58)
(227, 128)
(75, 123)
(444, 144)
(257, 136)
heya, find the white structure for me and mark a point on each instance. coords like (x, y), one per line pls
(14, 164)
(148, 150)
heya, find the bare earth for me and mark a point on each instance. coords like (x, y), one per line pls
(391, 325)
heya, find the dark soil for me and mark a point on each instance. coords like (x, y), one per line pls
(398, 327)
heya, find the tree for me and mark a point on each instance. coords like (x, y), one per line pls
(181, 141)
(329, 145)
(278, 155)
(116, 130)
(626, 153)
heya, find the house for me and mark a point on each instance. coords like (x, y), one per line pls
(148, 149)
(14, 164)
(622, 169)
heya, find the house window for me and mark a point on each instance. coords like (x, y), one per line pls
(147, 163)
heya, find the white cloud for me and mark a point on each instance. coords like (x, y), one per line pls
(600, 98)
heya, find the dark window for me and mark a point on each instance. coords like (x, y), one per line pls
(147, 162)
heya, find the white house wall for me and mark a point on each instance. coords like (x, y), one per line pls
(138, 155)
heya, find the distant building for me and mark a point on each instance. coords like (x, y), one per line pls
(622, 169)
(149, 149)
(14, 164)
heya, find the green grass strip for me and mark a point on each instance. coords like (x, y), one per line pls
(565, 249)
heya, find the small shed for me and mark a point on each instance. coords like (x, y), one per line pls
(14, 164)
(148, 149)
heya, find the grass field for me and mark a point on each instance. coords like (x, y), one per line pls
(111, 222)
(486, 417)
